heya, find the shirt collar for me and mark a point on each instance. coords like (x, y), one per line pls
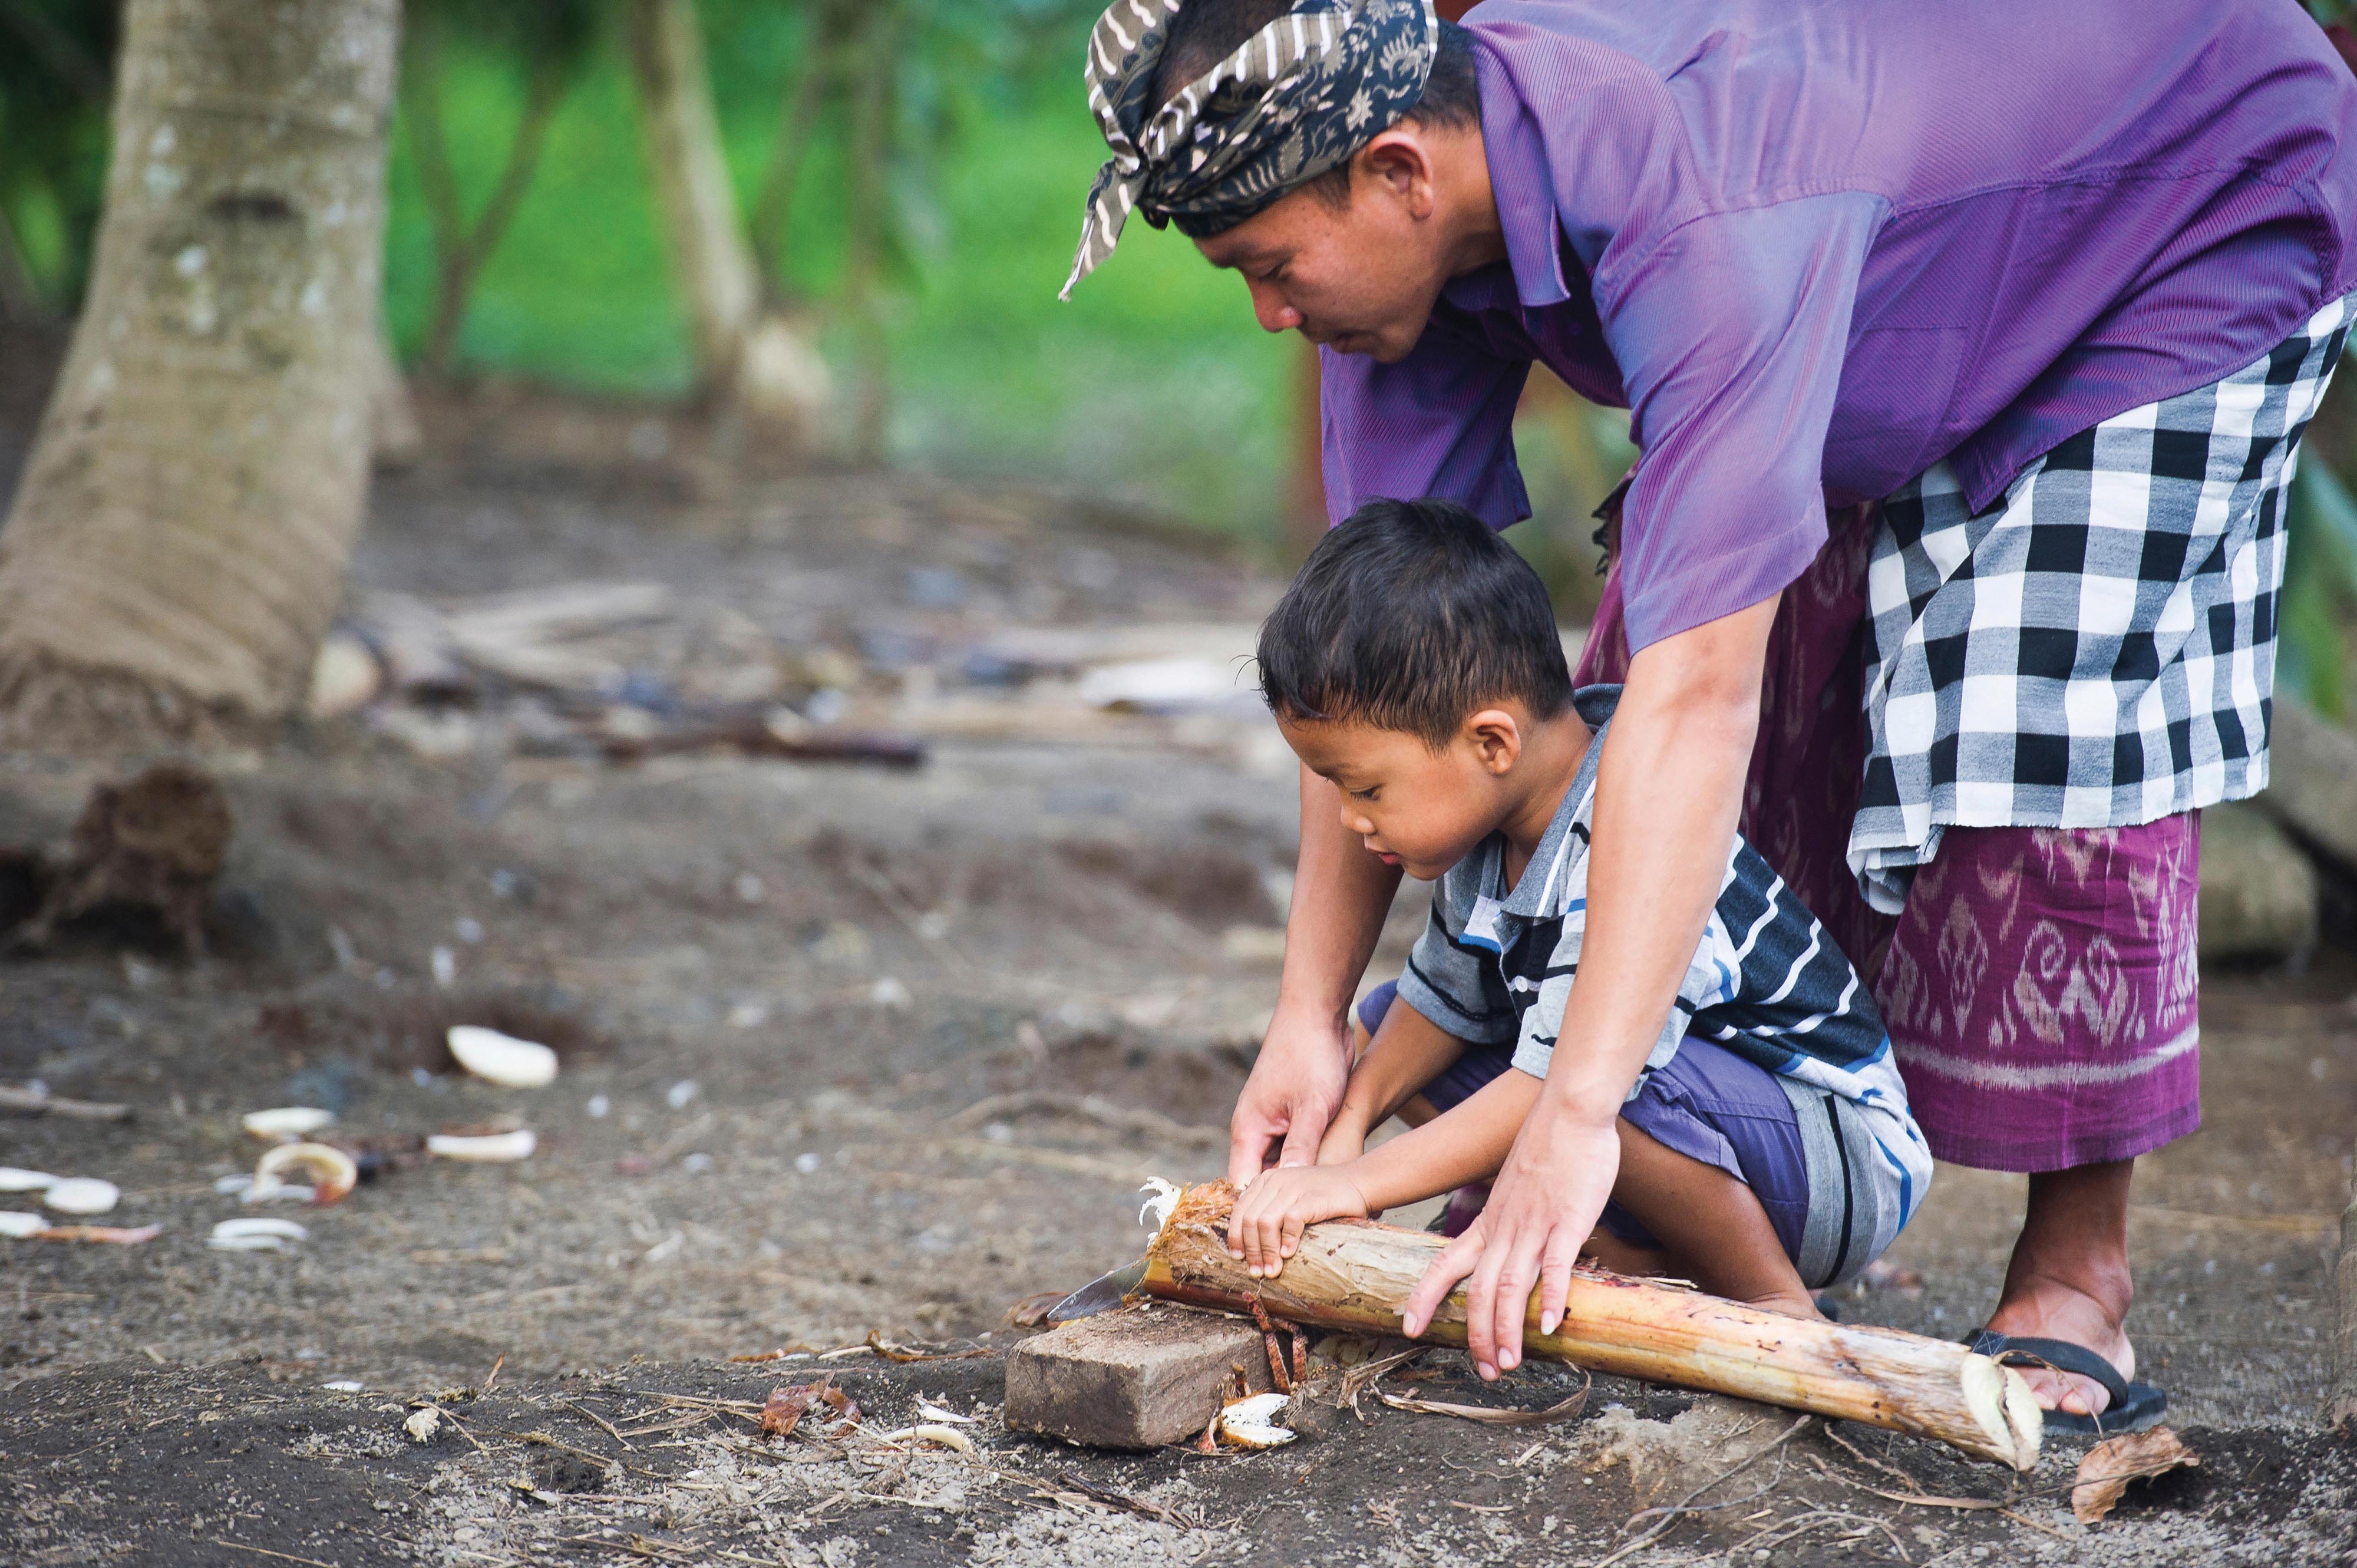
(1542, 894)
(1521, 182)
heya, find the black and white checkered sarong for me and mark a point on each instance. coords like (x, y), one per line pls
(2098, 648)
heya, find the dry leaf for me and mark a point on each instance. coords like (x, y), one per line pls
(1032, 1310)
(2104, 1473)
(787, 1406)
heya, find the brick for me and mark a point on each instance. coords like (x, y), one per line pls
(1139, 1377)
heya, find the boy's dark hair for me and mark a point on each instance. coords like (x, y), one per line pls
(1409, 617)
(1205, 32)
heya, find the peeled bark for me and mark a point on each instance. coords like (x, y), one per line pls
(1355, 1275)
(179, 539)
(751, 364)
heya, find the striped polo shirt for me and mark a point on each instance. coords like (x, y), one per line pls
(1495, 964)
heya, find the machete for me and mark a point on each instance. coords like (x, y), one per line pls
(1100, 1295)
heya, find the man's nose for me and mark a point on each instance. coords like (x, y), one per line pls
(1274, 314)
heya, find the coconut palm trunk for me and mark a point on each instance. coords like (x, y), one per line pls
(179, 539)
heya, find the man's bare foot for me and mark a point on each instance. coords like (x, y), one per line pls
(2046, 1309)
(2068, 1278)
(1791, 1303)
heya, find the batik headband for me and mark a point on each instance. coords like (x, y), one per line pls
(1300, 97)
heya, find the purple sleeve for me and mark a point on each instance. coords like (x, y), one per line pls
(1439, 423)
(1731, 333)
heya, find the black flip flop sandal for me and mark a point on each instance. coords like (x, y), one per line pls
(2133, 1406)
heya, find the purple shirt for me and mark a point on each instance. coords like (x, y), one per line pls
(1815, 246)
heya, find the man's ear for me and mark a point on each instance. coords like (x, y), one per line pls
(1496, 739)
(1399, 164)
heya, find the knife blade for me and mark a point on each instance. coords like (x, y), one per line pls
(1103, 1294)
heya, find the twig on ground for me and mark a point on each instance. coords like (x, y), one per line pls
(266, 1551)
(592, 1415)
(1563, 1410)
(41, 1102)
(1863, 1457)
(2043, 1528)
(1916, 1499)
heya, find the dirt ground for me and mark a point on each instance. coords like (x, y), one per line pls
(778, 988)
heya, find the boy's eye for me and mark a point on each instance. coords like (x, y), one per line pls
(1368, 794)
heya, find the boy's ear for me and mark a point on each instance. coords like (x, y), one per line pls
(1496, 739)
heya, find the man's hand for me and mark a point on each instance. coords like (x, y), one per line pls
(1295, 1088)
(1271, 1215)
(1541, 1211)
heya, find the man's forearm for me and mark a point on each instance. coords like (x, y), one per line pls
(1668, 790)
(1341, 894)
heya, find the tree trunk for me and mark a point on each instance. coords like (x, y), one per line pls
(179, 539)
(1354, 1274)
(395, 437)
(744, 360)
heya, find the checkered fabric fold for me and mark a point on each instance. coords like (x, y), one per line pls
(2098, 648)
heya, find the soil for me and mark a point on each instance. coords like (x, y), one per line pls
(772, 986)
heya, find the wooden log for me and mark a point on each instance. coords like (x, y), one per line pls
(1355, 1275)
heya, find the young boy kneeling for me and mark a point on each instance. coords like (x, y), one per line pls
(1766, 1149)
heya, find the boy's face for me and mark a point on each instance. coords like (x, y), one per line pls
(1415, 807)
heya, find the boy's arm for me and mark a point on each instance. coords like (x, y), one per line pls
(1465, 1143)
(1408, 1051)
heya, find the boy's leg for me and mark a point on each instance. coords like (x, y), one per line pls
(1711, 1226)
(1715, 1181)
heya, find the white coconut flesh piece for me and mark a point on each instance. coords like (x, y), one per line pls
(1161, 1198)
(330, 1169)
(254, 1235)
(14, 1179)
(82, 1195)
(1252, 1423)
(502, 1058)
(487, 1148)
(286, 1121)
(19, 1225)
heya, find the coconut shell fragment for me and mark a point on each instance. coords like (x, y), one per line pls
(254, 1234)
(82, 1195)
(287, 1122)
(333, 1173)
(502, 1058)
(1251, 1422)
(486, 1148)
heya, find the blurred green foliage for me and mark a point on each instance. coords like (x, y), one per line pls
(2317, 629)
(1153, 384)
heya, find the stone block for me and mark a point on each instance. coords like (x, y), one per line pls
(1138, 1378)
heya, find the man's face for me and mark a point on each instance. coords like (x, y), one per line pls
(1359, 278)
(1412, 807)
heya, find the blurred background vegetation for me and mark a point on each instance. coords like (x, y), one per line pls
(911, 172)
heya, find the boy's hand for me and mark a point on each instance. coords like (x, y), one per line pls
(1271, 1214)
